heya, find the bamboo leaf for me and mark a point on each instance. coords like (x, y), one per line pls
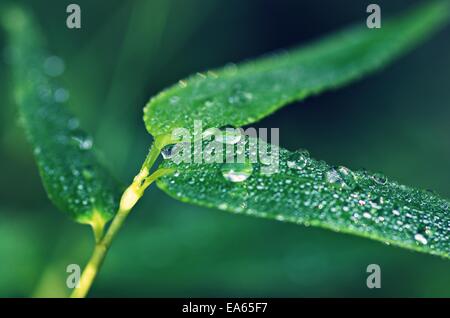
(74, 178)
(239, 95)
(299, 189)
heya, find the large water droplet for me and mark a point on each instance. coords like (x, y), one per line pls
(227, 134)
(298, 159)
(237, 172)
(341, 178)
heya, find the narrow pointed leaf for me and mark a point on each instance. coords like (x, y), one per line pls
(310, 192)
(242, 94)
(75, 180)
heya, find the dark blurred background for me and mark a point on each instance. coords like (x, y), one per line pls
(395, 121)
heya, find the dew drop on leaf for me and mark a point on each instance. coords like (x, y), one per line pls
(379, 178)
(61, 95)
(341, 178)
(169, 151)
(229, 135)
(83, 141)
(298, 160)
(367, 215)
(237, 172)
(419, 237)
(54, 66)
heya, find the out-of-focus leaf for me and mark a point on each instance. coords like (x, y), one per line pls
(75, 180)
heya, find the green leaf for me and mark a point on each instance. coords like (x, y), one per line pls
(75, 180)
(310, 192)
(243, 94)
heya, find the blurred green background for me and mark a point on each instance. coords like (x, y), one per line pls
(396, 121)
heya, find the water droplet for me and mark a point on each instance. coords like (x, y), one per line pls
(419, 237)
(73, 123)
(367, 215)
(86, 144)
(83, 141)
(174, 100)
(298, 159)
(396, 211)
(341, 178)
(423, 234)
(37, 150)
(54, 66)
(237, 172)
(228, 135)
(269, 168)
(168, 151)
(61, 95)
(379, 178)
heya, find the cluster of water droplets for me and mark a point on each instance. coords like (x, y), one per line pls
(215, 95)
(70, 173)
(307, 191)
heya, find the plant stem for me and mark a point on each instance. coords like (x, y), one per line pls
(98, 256)
(129, 199)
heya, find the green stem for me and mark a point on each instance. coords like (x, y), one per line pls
(129, 199)
(98, 256)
